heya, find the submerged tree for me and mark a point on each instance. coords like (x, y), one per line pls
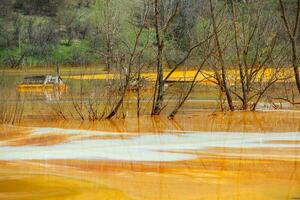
(222, 79)
(248, 56)
(163, 17)
(292, 30)
(129, 61)
(165, 14)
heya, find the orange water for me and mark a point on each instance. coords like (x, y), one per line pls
(216, 173)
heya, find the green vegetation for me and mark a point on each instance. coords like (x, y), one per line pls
(76, 32)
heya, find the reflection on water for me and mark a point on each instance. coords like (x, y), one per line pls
(46, 96)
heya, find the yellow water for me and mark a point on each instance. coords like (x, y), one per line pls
(206, 76)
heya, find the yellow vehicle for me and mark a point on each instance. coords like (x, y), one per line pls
(41, 83)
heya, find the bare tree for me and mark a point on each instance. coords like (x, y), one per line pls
(126, 63)
(185, 96)
(107, 29)
(163, 19)
(223, 78)
(110, 26)
(161, 25)
(257, 54)
(247, 51)
(292, 32)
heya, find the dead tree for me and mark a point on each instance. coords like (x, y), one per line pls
(190, 88)
(223, 78)
(255, 35)
(127, 64)
(161, 27)
(292, 32)
(110, 27)
(245, 51)
(107, 21)
(238, 50)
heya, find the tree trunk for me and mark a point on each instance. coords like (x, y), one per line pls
(108, 56)
(295, 63)
(237, 47)
(292, 34)
(120, 102)
(221, 60)
(160, 83)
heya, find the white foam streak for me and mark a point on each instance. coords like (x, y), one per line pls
(145, 147)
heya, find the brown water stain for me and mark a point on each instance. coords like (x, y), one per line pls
(45, 140)
(13, 132)
(284, 142)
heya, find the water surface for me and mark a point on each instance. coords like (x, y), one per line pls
(255, 158)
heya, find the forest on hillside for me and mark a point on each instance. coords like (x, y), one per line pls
(80, 32)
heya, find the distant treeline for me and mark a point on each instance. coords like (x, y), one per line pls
(79, 32)
(76, 32)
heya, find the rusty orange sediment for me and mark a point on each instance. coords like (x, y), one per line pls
(256, 157)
